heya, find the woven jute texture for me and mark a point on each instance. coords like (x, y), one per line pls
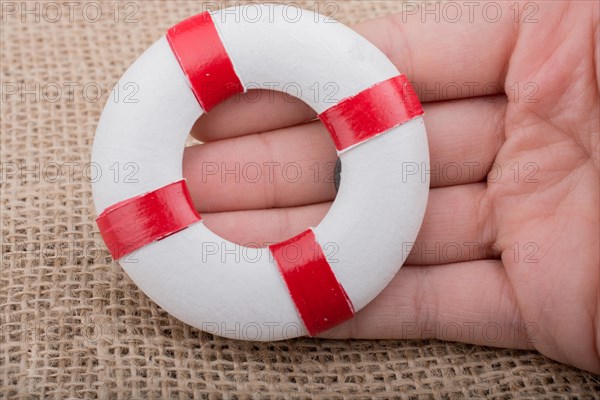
(75, 326)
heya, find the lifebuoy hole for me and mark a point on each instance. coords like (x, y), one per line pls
(221, 179)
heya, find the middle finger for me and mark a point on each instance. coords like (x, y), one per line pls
(294, 166)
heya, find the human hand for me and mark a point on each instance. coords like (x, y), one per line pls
(508, 254)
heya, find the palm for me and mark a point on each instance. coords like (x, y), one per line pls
(508, 252)
(546, 202)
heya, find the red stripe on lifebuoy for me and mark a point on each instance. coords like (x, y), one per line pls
(204, 60)
(141, 220)
(372, 112)
(321, 301)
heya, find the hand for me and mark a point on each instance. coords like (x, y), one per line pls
(508, 254)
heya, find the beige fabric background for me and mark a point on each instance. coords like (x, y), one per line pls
(73, 324)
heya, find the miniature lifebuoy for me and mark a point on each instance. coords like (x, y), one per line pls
(311, 282)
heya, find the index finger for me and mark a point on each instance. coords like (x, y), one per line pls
(456, 50)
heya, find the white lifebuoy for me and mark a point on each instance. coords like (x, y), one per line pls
(317, 279)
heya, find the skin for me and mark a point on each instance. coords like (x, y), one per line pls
(524, 265)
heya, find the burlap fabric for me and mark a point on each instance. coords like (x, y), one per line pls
(75, 326)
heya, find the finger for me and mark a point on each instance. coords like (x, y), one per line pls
(443, 58)
(294, 166)
(259, 228)
(464, 138)
(465, 302)
(456, 226)
(285, 168)
(252, 112)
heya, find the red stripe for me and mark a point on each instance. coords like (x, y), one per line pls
(136, 222)
(372, 112)
(204, 60)
(320, 299)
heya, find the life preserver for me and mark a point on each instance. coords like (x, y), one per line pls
(315, 280)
